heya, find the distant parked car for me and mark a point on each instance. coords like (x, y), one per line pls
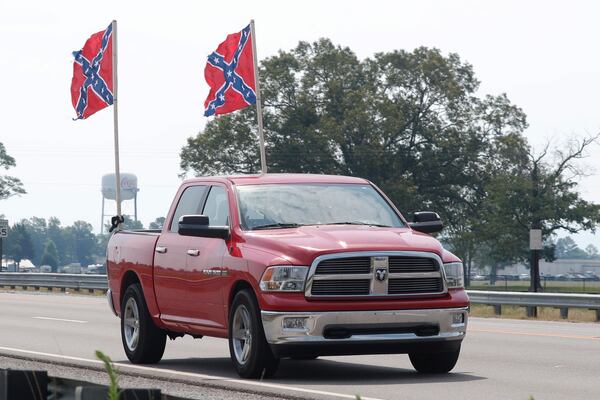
(524, 277)
(575, 277)
(590, 276)
(97, 269)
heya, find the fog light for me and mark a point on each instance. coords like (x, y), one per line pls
(295, 323)
(458, 319)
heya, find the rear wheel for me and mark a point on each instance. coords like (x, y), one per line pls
(434, 363)
(143, 342)
(250, 352)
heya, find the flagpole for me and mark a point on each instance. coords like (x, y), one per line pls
(116, 118)
(261, 138)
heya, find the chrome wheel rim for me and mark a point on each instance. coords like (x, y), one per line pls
(131, 324)
(242, 335)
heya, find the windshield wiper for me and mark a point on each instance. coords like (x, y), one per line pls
(357, 223)
(277, 225)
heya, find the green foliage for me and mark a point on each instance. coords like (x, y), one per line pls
(129, 224)
(541, 191)
(81, 242)
(9, 185)
(113, 387)
(412, 123)
(19, 245)
(157, 224)
(50, 256)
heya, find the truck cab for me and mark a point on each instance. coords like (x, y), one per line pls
(289, 265)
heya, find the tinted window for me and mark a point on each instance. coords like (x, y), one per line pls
(217, 206)
(190, 203)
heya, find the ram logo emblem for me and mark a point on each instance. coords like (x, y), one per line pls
(381, 274)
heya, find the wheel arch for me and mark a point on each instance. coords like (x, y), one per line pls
(129, 278)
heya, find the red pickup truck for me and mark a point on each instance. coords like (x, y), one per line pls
(286, 265)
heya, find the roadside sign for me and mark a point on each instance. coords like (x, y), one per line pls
(535, 239)
(3, 228)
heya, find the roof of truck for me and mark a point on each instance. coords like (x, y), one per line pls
(282, 178)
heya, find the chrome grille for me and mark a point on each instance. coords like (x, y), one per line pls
(398, 273)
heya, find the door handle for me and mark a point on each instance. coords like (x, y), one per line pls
(161, 249)
(193, 252)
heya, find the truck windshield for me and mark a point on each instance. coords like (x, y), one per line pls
(273, 206)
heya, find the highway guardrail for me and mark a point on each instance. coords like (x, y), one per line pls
(562, 301)
(61, 281)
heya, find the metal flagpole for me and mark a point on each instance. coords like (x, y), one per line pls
(263, 156)
(116, 118)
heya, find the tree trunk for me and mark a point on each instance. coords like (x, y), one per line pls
(493, 272)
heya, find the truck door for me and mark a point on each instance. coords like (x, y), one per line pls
(170, 258)
(206, 273)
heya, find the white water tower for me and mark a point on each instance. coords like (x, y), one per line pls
(129, 191)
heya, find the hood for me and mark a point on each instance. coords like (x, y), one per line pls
(301, 245)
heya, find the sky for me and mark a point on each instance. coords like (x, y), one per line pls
(542, 54)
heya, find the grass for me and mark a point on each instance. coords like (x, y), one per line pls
(113, 387)
(544, 313)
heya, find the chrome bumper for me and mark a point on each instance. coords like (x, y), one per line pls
(316, 323)
(110, 301)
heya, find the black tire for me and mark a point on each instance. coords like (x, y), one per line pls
(434, 363)
(150, 344)
(258, 361)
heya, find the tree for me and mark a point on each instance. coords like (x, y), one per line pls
(412, 123)
(157, 224)
(129, 224)
(9, 185)
(542, 191)
(409, 121)
(18, 244)
(56, 233)
(50, 256)
(81, 241)
(592, 251)
(38, 231)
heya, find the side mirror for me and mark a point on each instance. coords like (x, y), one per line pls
(198, 225)
(426, 222)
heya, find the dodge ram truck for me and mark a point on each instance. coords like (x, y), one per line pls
(289, 266)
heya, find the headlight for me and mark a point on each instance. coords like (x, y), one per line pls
(284, 279)
(454, 275)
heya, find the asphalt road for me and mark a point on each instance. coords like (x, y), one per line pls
(501, 359)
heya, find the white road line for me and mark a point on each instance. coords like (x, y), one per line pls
(61, 319)
(191, 374)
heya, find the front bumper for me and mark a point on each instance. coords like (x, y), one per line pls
(366, 332)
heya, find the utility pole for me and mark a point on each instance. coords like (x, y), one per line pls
(535, 245)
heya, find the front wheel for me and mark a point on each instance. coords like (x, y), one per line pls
(434, 363)
(250, 352)
(144, 343)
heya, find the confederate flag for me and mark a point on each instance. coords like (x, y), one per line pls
(92, 83)
(229, 72)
